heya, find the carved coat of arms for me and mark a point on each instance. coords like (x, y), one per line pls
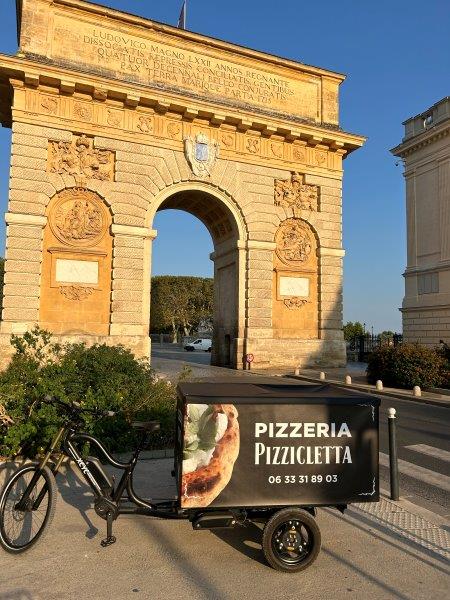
(294, 193)
(201, 154)
(80, 159)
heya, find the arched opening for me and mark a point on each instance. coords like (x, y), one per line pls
(225, 229)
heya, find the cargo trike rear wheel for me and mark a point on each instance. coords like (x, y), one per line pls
(291, 540)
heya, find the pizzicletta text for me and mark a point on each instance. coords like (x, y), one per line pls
(270, 454)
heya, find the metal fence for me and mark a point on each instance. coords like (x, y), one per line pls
(361, 346)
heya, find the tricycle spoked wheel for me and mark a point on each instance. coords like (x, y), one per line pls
(22, 526)
(291, 540)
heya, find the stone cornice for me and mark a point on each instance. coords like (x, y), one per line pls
(426, 138)
(23, 219)
(134, 231)
(29, 73)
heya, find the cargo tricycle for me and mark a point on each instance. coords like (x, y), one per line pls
(245, 452)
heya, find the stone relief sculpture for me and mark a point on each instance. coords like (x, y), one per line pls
(294, 193)
(294, 243)
(75, 292)
(78, 218)
(201, 154)
(81, 159)
(294, 303)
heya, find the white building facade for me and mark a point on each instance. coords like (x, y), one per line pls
(425, 152)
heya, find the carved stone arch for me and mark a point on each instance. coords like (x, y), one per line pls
(197, 186)
(75, 285)
(223, 218)
(295, 280)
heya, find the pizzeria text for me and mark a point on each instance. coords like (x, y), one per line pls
(268, 454)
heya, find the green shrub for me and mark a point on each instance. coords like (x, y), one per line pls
(108, 377)
(444, 351)
(407, 365)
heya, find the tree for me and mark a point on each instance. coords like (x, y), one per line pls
(180, 304)
(387, 335)
(352, 330)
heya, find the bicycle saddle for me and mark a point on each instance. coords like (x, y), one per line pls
(148, 426)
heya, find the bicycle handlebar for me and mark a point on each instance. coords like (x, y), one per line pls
(76, 407)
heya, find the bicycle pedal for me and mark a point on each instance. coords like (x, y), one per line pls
(108, 541)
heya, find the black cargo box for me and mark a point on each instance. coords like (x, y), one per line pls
(263, 443)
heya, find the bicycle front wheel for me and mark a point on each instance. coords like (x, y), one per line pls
(22, 526)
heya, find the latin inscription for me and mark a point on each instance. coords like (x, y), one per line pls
(146, 60)
(163, 63)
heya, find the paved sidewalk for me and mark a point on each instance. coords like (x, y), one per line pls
(375, 551)
(357, 372)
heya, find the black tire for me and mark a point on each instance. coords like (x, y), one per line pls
(14, 523)
(291, 540)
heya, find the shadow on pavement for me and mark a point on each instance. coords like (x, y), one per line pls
(246, 539)
(77, 494)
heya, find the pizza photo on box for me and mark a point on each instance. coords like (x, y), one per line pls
(210, 449)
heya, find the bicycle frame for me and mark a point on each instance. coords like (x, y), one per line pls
(69, 437)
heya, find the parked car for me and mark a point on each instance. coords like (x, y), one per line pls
(199, 344)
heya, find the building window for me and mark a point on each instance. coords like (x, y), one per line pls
(428, 283)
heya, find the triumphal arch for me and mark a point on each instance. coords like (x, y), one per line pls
(114, 118)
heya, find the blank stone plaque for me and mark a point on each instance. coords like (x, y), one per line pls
(294, 286)
(76, 271)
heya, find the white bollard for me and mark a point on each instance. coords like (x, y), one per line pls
(297, 371)
(379, 384)
(417, 391)
(322, 376)
(348, 380)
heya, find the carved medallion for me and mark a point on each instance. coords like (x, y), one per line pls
(253, 145)
(75, 292)
(294, 303)
(145, 124)
(277, 149)
(79, 218)
(114, 118)
(201, 154)
(173, 129)
(299, 153)
(83, 111)
(294, 193)
(49, 105)
(227, 140)
(321, 157)
(294, 242)
(81, 159)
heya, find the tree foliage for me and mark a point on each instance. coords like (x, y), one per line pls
(180, 304)
(352, 330)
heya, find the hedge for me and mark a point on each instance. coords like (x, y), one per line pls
(407, 365)
(108, 377)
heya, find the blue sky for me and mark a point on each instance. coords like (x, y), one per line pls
(396, 55)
